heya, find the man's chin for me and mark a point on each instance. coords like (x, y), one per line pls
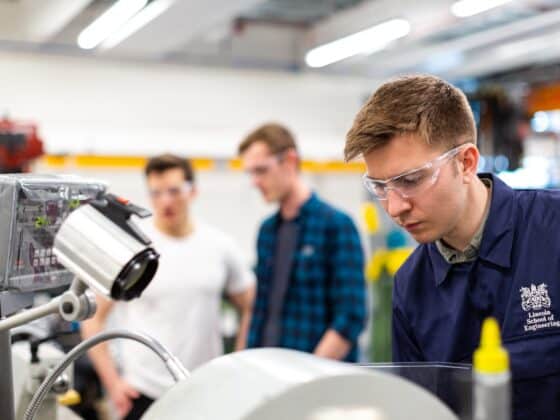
(269, 198)
(424, 237)
(168, 222)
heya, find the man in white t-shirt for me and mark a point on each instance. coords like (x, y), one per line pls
(181, 306)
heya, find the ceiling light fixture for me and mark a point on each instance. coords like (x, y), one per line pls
(109, 22)
(466, 8)
(142, 18)
(367, 41)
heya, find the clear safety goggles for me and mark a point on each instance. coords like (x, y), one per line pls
(172, 192)
(411, 182)
(264, 167)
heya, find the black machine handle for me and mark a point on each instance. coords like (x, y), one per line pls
(119, 210)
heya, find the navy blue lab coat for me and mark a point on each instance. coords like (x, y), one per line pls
(438, 308)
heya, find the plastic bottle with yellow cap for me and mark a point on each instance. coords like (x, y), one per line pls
(492, 378)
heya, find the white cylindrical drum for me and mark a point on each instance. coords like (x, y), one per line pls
(280, 384)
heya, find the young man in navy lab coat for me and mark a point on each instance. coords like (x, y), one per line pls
(485, 249)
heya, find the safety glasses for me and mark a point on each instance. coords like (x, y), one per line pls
(173, 192)
(264, 167)
(412, 182)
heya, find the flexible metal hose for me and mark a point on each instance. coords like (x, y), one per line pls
(174, 366)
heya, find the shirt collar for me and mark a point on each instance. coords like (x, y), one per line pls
(454, 256)
(497, 239)
(305, 210)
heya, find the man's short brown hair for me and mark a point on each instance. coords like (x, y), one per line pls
(162, 163)
(423, 105)
(277, 137)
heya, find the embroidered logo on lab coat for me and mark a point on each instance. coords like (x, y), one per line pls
(536, 302)
(535, 298)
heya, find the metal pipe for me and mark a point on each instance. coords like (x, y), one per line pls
(7, 411)
(174, 366)
(30, 315)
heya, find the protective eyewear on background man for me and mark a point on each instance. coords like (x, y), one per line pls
(412, 182)
(264, 167)
(172, 191)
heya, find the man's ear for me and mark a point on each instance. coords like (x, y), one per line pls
(194, 191)
(291, 156)
(469, 159)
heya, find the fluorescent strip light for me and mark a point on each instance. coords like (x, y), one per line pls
(528, 46)
(466, 8)
(142, 18)
(109, 22)
(368, 41)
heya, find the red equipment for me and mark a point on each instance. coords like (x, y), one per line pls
(19, 145)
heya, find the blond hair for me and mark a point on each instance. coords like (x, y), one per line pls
(277, 138)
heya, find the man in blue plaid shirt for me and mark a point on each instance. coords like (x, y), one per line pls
(310, 268)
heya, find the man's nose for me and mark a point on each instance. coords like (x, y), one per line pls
(166, 198)
(396, 204)
(255, 180)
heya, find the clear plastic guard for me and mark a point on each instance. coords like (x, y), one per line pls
(32, 209)
(450, 382)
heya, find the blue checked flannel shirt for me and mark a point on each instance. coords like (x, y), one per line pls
(327, 286)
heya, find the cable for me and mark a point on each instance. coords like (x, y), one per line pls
(171, 362)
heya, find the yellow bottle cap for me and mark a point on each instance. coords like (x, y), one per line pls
(491, 357)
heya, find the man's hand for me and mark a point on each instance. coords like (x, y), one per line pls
(333, 346)
(243, 301)
(122, 394)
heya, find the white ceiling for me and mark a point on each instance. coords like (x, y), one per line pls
(276, 34)
(22, 20)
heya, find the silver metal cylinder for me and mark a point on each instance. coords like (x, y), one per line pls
(94, 248)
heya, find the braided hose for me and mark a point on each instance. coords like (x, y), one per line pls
(174, 366)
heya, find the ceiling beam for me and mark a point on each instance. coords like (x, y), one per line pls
(26, 21)
(183, 21)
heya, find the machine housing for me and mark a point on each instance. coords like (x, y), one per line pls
(32, 209)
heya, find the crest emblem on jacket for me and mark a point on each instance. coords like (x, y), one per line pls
(535, 298)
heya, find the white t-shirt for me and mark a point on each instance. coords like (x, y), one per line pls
(181, 306)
